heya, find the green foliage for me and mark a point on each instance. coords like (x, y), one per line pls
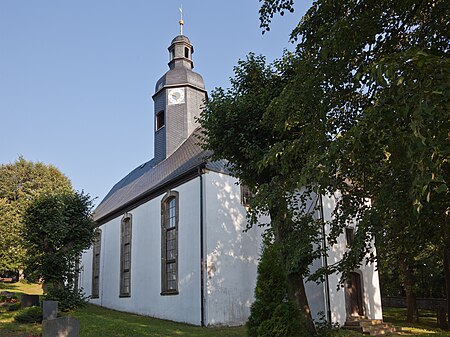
(57, 229)
(13, 306)
(361, 108)
(238, 127)
(383, 86)
(20, 183)
(283, 322)
(68, 299)
(29, 315)
(325, 328)
(272, 313)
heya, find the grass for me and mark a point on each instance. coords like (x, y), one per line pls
(22, 287)
(9, 327)
(97, 321)
(426, 327)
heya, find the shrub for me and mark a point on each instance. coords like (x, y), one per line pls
(284, 322)
(323, 327)
(272, 314)
(67, 299)
(13, 306)
(29, 315)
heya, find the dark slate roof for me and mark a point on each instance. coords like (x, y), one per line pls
(180, 38)
(180, 76)
(148, 177)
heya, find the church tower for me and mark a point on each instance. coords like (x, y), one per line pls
(178, 98)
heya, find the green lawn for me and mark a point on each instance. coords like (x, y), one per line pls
(100, 322)
(97, 321)
(22, 287)
(426, 326)
(8, 327)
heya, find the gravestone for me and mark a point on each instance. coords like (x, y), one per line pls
(49, 309)
(65, 326)
(29, 301)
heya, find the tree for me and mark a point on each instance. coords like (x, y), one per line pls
(57, 228)
(383, 70)
(237, 128)
(20, 183)
(361, 108)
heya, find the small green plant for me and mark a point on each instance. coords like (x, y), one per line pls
(13, 306)
(325, 328)
(67, 299)
(29, 315)
(283, 322)
(14, 298)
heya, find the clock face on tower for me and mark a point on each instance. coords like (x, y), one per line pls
(176, 96)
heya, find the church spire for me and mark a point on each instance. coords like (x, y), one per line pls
(178, 97)
(181, 51)
(181, 22)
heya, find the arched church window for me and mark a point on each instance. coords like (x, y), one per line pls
(125, 256)
(186, 52)
(169, 243)
(96, 249)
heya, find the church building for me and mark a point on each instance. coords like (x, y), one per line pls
(170, 241)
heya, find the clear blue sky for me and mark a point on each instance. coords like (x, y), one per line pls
(76, 77)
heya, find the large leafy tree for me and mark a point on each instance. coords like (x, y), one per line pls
(237, 128)
(20, 183)
(361, 107)
(57, 228)
(383, 69)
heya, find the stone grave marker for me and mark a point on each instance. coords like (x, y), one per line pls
(29, 301)
(49, 309)
(65, 326)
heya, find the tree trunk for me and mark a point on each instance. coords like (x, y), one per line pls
(411, 302)
(297, 294)
(447, 279)
(294, 281)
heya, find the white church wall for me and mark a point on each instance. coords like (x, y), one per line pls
(315, 293)
(231, 261)
(232, 254)
(85, 275)
(370, 281)
(145, 296)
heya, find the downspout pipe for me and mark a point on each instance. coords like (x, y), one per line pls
(202, 255)
(325, 261)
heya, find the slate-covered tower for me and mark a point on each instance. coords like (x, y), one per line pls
(179, 96)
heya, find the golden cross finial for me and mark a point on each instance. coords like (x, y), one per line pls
(181, 22)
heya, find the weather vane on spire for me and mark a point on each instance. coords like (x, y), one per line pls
(181, 22)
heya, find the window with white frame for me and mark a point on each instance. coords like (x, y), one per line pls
(169, 243)
(125, 256)
(96, 249)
